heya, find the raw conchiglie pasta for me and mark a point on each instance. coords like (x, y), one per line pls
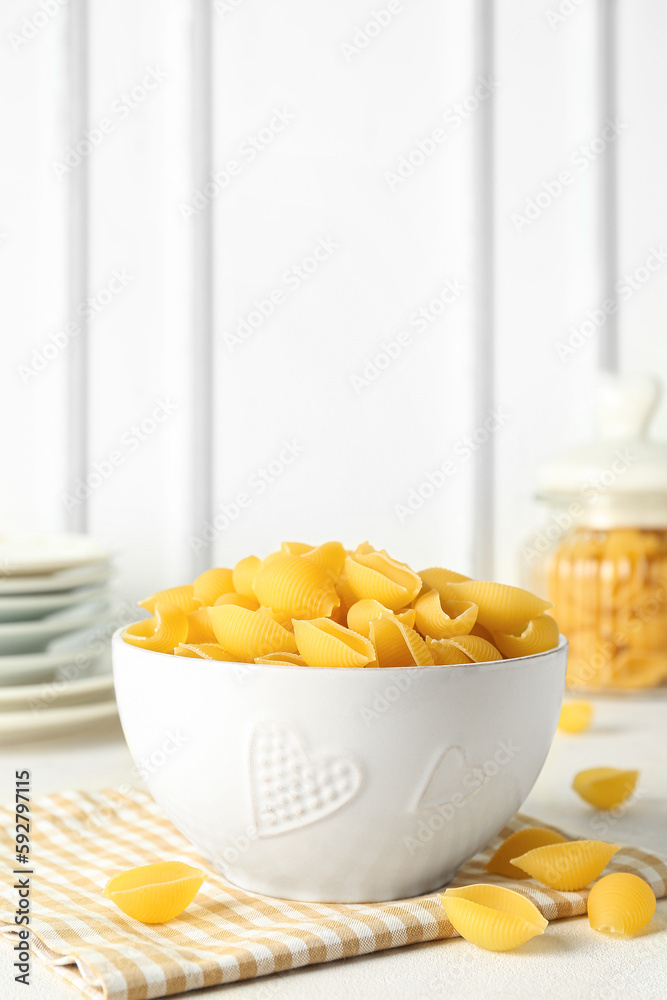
(278, 616)
(377, 576)
(244, 574)
(567, 866)
(362, 613)
(248, 634)
(155, 894)
(330, 556)
(517, 844)
(492, 917)
(477, 650)
(540, 634)
(482, 632)
(621, 903)
(296, 548)
(446, 655)
(501, 608)
(181, 597)
(437, 578)
(204, 651)
(282, 659)
(323, 643)
(575, 716)
(396, 645)
(240, 600)
(161, 633)
(210, 585)
(296, 587)
(605, 787)
(199, 626)
(440, 621)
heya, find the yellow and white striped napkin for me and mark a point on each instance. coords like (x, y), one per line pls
(80, 839)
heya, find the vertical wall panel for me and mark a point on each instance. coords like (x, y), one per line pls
(338, 406)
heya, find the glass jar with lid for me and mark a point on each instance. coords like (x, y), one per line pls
(601, 554)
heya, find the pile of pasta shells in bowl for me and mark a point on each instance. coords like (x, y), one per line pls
(334, 708)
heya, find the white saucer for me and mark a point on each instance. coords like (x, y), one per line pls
(67, 721)
(49, 583)
(29, 607)
(30, 553)
(33, 667)
(33, 637)
(59, 692)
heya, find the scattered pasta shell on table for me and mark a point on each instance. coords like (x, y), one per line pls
(492, 916)
(296, 587)
(520, 843)
(244, 574)
(501, 608)
(155, 894)
(575, 716)
(248, 634)
(212, 584)
(443, 620)
(620, 903)
(539, 635)
(161, 633)
(397, 645)
(377, 576)
(180, 597)
(568, 866)
(324, 643)
(605, 787)
(204, 651)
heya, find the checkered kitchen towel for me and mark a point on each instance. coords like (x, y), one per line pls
(80, 839)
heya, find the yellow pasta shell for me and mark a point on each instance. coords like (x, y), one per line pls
(204, 651)
(199, 626)
(575, 716)
(567, 866)
(605, 787)
(296, 587)
(155, 893)
(501, 608)
(210, 585)
(540, 634)
(446, 655)
(476, 649)
(443, 622)
(180, 597)
(323, 643)
(437, 578)
(330, 556)
(296, 548)
(244, 574)
(240, 600)
(492, 917)
(248, 634)
(517, 844)
(282, 659)
(161, 633)
(377, 576)
(278, 616)
(362, 613)
(396, 645)
(621, 903)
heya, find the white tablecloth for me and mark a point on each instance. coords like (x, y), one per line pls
(570, 960)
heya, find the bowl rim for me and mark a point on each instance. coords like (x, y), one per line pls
(482, 667)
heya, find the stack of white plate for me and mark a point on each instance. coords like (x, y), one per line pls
(56, 618)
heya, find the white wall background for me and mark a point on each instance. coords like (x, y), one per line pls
(165, 331)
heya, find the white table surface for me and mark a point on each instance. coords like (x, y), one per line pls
(569, 961)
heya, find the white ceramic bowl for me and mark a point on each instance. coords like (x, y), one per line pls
(340, 785)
